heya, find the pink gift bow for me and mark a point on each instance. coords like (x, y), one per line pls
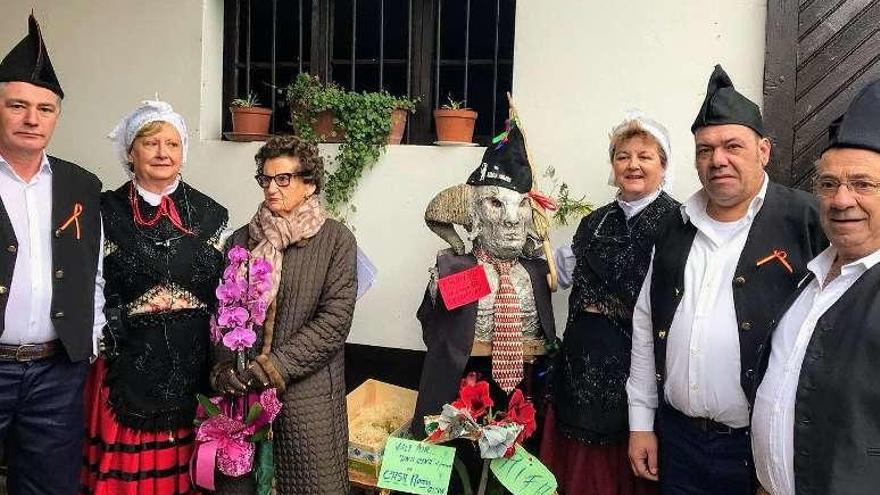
(218, 431)
(222, 443)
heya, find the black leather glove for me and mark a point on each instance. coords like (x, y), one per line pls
(226, 380)
(255, 377)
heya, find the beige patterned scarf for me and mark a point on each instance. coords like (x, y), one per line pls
(272, 235)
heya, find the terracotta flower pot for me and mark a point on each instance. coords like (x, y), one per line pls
(250, 120)
(455, 125)
(398, 125)
(324, 129)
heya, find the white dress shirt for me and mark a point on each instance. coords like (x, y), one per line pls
(29, 206)
(564, 256)
(702, 348)
(773, 418)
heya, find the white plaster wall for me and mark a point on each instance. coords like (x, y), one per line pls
(578, 65)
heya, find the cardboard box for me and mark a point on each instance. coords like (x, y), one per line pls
(365, 460)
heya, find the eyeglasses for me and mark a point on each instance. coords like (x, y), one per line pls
(828, 186)
(283, 180)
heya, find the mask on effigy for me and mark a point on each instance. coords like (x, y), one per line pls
(500, 219)
(493, 206)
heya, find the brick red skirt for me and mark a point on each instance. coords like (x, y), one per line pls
(118, 460)
(582, 469)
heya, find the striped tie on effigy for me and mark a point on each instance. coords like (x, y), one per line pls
(507, 344)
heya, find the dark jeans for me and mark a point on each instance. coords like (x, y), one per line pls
(42, 425)
(697, 461)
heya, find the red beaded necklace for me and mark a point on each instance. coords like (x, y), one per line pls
(166, 208)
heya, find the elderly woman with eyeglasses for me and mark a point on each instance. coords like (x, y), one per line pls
(162, 260)
(300, 349)
(586, 430)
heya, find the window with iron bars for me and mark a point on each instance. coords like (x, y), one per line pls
(433, 49)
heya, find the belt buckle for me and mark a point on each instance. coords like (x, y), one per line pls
(19, 357)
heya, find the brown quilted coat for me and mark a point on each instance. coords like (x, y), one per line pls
(315, 304)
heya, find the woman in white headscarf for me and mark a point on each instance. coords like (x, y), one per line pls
(162, 261)
(586, 430)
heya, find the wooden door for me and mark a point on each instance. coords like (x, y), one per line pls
(819, 54)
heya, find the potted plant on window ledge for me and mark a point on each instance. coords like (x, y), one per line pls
(454, 123)
(249, 119)
(362, 121)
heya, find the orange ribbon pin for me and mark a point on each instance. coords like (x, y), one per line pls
(73, 219)
(780, 256)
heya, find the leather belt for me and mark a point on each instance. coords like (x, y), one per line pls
(705, 424)
(30, 352)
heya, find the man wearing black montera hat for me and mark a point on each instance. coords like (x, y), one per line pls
(719, 275)
(816, 425)
(50, 282)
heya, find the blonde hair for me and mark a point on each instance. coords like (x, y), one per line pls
(149, 129)
(630, 130)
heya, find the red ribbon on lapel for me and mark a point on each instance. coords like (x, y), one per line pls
(779, 255)
(74, 219)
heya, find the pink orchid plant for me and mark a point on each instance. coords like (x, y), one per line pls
(232, 432)
(242, 297)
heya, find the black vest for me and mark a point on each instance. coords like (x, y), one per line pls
(788, 220)
(449, 335)
(74, 261)
(837, 406)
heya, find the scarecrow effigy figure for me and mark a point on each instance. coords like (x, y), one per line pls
(487, 310)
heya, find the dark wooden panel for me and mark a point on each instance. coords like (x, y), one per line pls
(232, 25)
(819, 54)
(839, 50)
(834, 25)
(424, 20)
(779, 84)
(817, 122)
(320, 59)
(802, 166)
(837, 79)
(811, 15)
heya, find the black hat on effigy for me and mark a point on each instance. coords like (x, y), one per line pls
(29, 62)
(505, 163)
(859, 126)
(725, 105)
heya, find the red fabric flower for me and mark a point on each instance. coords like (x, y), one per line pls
(521, 411)
(473, 395)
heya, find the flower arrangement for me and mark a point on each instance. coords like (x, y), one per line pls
(243, 301)
(471, 416)
(233, 434)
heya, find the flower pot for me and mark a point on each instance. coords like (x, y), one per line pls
(398, 125)
(250, 120)
(325, 130)
(455, 125)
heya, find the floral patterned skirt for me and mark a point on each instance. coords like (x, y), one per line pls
(119, 460)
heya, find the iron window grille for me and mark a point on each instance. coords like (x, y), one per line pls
(429, 48)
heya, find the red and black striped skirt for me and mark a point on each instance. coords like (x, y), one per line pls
(119, 460)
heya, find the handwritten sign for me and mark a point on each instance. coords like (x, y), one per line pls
(463, 287)
(522, 474)
(416, 467)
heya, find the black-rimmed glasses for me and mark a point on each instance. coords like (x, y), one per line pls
(283, 179)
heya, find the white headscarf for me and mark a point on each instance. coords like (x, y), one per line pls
(149, 111)
(654, 129)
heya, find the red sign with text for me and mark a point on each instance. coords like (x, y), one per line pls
(463, 287)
